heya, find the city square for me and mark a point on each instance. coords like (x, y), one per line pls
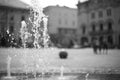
(57, 42)
(79, 61)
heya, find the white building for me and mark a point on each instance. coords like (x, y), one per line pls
(99, 19)
(62, 21)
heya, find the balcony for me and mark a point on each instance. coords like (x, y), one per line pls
(99, 32)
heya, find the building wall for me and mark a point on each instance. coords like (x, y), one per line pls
(117, 24)
(12, 17)
(61, 17)
(89, 15)
(62, 24)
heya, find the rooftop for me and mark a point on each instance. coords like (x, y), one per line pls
(14, 4)
(57, 6)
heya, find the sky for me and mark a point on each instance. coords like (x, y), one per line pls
(68, 3)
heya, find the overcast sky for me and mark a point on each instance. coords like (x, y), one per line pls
(44, 3)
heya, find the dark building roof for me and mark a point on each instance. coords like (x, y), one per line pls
(14, 4)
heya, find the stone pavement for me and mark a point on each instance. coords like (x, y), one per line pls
(79, 60)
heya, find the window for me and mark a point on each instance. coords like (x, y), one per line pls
(11, 18)
(92, 15)
(22, 18)
(93, 38)
(100, 14)
(109, 12)
(110, 39)
(119, 21)
(74, 31)
(101, 38)
(64, 31)
(93, 27)
(109, 26)
(60, 30)
(2, 26)
(11, 29)
(83, 29)
(101, 27)
(119, 39)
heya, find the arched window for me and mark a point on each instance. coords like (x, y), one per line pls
(101, 38)
(83, 29)
(110, 39)
(93, 26)
(101, 24)
(109, 26)
(101, 27)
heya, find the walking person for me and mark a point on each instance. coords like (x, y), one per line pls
(94, 46)
(98, 46)
(105, 47)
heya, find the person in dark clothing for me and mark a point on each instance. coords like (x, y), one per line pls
(100, 47)
(105, 47)
(94, 47)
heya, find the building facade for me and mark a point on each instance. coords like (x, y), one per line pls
(62, 21)
(99, 19)
(11, 13)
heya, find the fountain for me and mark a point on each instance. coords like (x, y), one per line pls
(62, 77)
(35, 63)
(9, 77)
(86, 76)
(61, 74)
(8, 66)
(40, 41)
(39, 25)
(40, 33)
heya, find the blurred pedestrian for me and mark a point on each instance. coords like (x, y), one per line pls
(94, 45)
(105, 47)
